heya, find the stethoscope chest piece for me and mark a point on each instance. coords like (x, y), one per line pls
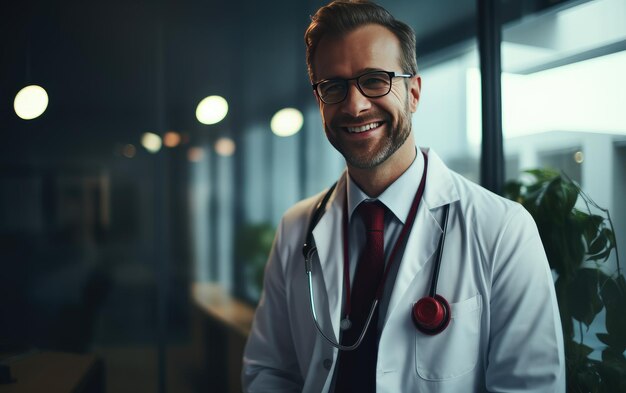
(345, 324)
(431, 315)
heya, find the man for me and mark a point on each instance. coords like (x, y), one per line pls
(395, 219)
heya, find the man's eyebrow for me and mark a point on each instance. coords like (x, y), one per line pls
(359, 73)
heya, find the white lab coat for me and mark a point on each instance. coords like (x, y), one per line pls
(504, 335)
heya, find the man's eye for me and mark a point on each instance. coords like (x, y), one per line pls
(332, 88)
(374, 82)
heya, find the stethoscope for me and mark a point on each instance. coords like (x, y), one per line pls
(431, 314)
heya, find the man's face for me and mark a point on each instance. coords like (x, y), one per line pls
(366, 131)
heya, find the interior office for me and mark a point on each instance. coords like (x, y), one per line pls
(134, 231)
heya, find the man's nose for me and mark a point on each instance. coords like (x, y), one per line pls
(355, 101)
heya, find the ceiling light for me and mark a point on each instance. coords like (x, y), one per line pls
(211, 110)
(151, 142)
(195, 154)
(30, 102)
(287, 122)
(225, 147)
(129, 151)
(579, 157)
(171, 139)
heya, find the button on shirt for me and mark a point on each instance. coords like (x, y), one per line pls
(398, 198)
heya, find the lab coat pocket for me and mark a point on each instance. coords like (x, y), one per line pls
(454, 351)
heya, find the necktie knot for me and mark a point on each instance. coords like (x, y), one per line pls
(373, 215)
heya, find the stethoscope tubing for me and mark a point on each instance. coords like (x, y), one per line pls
(310, 250)
(442, 240)
(332, 342)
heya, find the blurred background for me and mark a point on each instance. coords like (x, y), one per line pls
(141, 181)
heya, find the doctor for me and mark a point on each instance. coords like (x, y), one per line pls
(398, 227)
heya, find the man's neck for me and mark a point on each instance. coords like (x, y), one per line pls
(373, 181)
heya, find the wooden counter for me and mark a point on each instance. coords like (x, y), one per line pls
(221, 306)
(55, 372)
(221, 328)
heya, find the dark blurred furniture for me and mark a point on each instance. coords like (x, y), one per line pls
(222, 325)
(55, 372)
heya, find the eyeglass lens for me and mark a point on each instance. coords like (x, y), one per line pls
(372, 84)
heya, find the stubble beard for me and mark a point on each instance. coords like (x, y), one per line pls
(395, 137)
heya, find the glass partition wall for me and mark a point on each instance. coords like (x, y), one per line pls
(563, 100)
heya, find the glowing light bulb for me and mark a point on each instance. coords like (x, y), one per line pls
(151, 142)
(287, 122)
(129, 151)
(225, 147)
(171, 139)
(195, 154)
(30, 102)
(579, 157)
(212, 110)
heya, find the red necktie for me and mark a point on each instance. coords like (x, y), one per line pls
(357, 368)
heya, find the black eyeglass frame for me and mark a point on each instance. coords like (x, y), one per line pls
(391, 75)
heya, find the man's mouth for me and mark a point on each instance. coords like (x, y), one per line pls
(363, 128)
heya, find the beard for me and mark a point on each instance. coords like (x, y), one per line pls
(360, 154)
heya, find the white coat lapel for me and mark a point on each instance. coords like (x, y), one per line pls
(424, 237)
(420, 246)
(328, 240)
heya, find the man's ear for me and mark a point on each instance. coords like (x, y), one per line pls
(415, 88)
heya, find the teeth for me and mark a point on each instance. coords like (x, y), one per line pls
(363, 128)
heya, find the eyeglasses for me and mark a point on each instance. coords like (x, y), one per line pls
(372, 84)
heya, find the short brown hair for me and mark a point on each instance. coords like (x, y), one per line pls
(343, 16)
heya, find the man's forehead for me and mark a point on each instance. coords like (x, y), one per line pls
(368, 47)
(369, 32)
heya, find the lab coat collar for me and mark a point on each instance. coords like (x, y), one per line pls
(440, 189)
(328, 238)
(424, 236)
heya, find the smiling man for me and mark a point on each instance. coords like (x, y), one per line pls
(374, 135)
(412, 278)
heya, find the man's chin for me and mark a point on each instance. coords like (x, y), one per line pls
(366, 161)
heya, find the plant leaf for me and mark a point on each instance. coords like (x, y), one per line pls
(604, 255)
(512, 191)
(613, 292)
(582, 373)
(577, 352)
(597, 245)
(613, 372)
(584, 301)
(592, 224)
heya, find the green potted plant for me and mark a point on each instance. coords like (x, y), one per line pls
(253, 246)
(579, 238)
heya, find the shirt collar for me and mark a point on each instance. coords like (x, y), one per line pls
(395, 196)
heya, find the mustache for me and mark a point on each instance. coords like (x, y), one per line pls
(342, 119)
